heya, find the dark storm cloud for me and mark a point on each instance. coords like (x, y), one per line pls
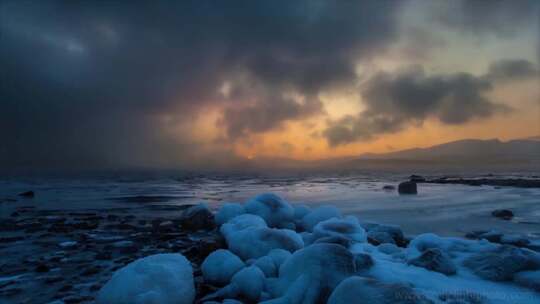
(87, 83)
(500, 17)
(396, 101)
(512, 69)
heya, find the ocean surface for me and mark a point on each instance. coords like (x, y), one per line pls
(443, 209)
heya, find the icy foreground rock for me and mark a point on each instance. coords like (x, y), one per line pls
(248, 237)
(160, 278)
(220, 266)
(330, 258)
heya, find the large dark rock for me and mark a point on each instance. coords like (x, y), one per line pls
(504, 214)
(407, 188)
(501, 264)
(435, 260)
(198, 217)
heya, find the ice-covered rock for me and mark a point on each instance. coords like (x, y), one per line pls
(393, 231)
(249, 283)
(340, 240)
(388, 248)
(515, 240)
(272, 208)
(310, 274)
(363, 261)
(248, 237)
(279, 256)
(435, 260)
(198, 217)
(220, 266)
(160, 278)
(379, 237)
(242, 222)
(502, 263)
(347, 227)
(318, 215)
(529, 279)
(364, 290)
(267, 265)
(300, 211)
(447, 244)
(227, 212)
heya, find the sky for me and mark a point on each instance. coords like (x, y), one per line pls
(188, 84)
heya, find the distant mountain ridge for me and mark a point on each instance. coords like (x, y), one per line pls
(472, 149)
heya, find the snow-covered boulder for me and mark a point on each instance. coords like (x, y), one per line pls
(198, 217)
(447, 244)
(227, 212)
(249, 283)
(220, 266)
(389, 249)
(318, 215)
(279, 256)
(435, 260)
(267, 266)
(363, 261)
(253, 243)
(339, 240)
(378, 231)
(242, 222)
(160, 278)
(364, 290)
(311, 273)
(300, 211)
(347, 227)
(379, 237)
(501, 264)
(249, 237)
(272, 208)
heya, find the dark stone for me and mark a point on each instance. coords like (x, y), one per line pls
(42, 268)
(504, 214)
(103, 255)
(198, 217)
(66, 287)
(27, 194)
(389, 187)
(407, 188)
(91, 271)
(435, 260)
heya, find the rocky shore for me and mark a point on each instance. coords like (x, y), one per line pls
(497, 182)
(55, 255)
(265, 250)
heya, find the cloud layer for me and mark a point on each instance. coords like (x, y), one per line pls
(397, 100)
(122, 83)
